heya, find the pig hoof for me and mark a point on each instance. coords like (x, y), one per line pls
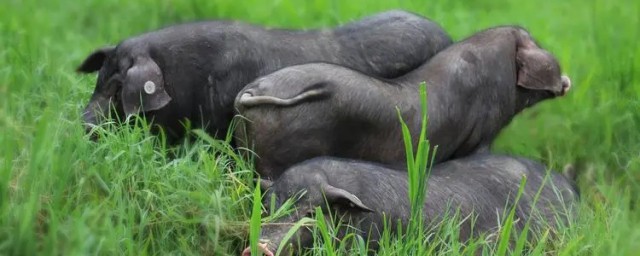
(566, 85)
(263, 248)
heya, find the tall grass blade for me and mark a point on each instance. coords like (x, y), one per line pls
(254, 228)
(507, 228)
(292, 231)
(324, 232)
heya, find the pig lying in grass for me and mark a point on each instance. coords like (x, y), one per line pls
(475, 87)
(192, 72)
(482, 187)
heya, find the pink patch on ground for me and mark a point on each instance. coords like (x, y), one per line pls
(263, 248)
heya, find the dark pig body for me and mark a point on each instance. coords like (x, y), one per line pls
(482, 187)
(192, 72)
(475, 87)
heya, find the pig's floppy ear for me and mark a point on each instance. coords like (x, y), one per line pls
(143, 88)
(334, 194)
(536, 69)
(94, 61)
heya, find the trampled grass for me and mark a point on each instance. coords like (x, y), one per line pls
(62, 194)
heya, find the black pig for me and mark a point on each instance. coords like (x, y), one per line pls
(483, 186)
(475, 87)
(192, 72)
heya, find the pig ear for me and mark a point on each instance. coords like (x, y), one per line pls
(334, 194)
(94, 61)
(537, 69)
(143, 88)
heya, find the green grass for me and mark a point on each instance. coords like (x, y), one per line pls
(61, 194)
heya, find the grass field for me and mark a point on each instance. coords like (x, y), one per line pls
(61, 194)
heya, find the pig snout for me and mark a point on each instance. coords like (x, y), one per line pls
(90, 120)
(566, 85)
(94, 112)
(262, 247)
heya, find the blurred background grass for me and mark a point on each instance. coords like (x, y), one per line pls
(61, 194)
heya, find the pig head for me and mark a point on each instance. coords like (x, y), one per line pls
(124, 87)
(316, 193)
(479, 85)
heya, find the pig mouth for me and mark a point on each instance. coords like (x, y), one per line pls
(566, 85)
(100, 109)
